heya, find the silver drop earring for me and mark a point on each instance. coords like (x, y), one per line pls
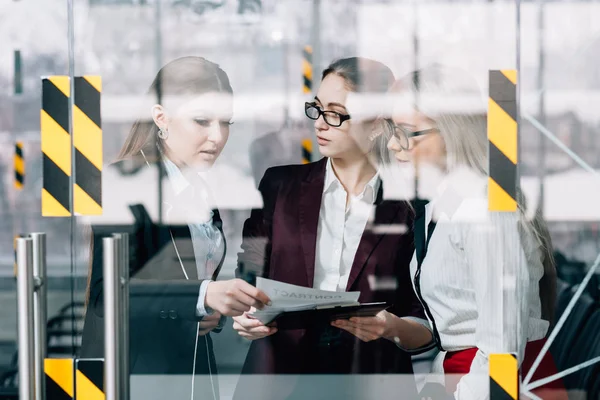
(163, 133)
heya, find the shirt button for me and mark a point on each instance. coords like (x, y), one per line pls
(173, 314)
(162, 314)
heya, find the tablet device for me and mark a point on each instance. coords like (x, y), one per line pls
(324, 315)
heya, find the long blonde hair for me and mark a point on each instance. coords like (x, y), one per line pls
(465, 136)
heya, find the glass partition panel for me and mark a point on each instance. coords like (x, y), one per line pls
(206, 104)
(36, 48)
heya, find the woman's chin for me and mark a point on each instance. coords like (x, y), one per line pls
(201, 164)
(326, 151)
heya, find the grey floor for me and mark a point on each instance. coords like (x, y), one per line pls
(230, 348)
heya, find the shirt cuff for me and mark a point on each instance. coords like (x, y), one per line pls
(421, 321)
(201, 310)
(424, 348)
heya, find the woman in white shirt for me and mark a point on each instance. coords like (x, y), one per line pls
(175, 304)
(318, 228)
(464, 252)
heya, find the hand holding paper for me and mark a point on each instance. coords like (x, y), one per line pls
(286, 298)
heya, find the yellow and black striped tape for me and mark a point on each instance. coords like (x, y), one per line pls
(19, 166)
(306, 151)
(504, 377)
(56, 146)
(503, 141)
(89, 379)
(307, 69)
(60, 384)
(87, 137)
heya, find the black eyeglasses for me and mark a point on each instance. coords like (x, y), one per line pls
(332, 118)
(403, 135)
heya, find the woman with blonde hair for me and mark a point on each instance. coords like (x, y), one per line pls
(486, 279)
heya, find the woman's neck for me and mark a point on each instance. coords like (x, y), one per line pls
(164, 150)
(354, 174)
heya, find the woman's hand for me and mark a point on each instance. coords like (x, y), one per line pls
(209, 323)
(233, 297)
(251, 328)
(367, 328)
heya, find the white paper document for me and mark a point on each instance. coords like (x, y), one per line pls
(285, 297)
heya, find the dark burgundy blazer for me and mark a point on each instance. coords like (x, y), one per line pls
(279, 243)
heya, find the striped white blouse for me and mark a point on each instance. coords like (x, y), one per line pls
(479, 279)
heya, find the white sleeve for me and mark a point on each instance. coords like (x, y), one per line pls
(498, 267)
(202, 311)
(425, 347)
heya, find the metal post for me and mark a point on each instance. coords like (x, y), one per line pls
(511, 266)
(417, 80)
(316, 61)
(25, 317)
(72, 219)
(125, 293)
(316, 39)
(123, 309)
(158, 53)
(40, 311)
(286, 73)
(542, 107)
(112, 366)
(18, 75)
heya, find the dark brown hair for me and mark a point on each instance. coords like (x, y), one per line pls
(362, 75)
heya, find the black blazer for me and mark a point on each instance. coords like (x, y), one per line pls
(162, 313)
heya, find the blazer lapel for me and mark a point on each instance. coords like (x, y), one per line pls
(218, 222)
(184, 252)
(188, 258)
(385, 214)
(419, 229)
(311, 194)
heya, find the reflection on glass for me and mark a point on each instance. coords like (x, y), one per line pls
(486, 279)
(175, 303)
(315, 230)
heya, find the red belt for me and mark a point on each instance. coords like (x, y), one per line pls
(458, 363)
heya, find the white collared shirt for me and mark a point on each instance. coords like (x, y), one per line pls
(340, 230)
(466, 278)
(207, 239)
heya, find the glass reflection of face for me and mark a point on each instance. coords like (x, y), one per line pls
(416, 138)
(349, 139)
(198, 129)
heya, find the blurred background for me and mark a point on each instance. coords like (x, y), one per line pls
(260, 44)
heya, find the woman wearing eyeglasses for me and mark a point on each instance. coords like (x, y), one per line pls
(486, 279)
(315, 230)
